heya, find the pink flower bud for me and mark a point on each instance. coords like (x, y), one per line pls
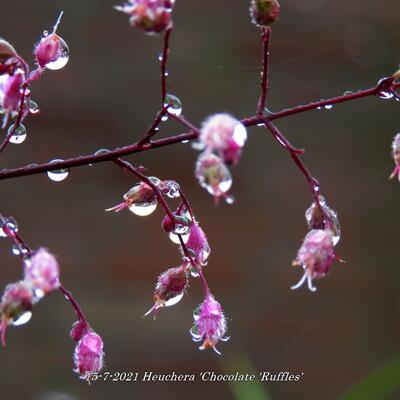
(170, 288)
(151, 16)
(225, 135)
(396, 156)
(7, 51)
(42, 271)
(16, 306)
(315, 256)
(213, 175)
(79, 328)
(197, 244)
(88, 355)
(209, 324)
(264, 12)
(10, 91)
(141, 199)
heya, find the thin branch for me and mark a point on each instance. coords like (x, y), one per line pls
(164, 62)
(78, 310)
(266, 38)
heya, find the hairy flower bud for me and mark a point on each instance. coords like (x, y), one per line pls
(315, 256)
(225, 135)
(10, 91)
(396, 156)
(16, 306)
(264, 12)
(197, 244)
(327, 219)
(213, 175)
(88, 355)
(209, 324)
(42, 271)
(151, 16)
(170, 288)
(79, 328)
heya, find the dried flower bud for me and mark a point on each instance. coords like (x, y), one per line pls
(151, 16)
(327, 219)
(197, 244)
(6, 51)
(78, 330)
(16, 306)
(225, 135)
(213, 175)
(264, 12)
(42, 271)
(141, 199)
(396, 156)
(170, 288)
(315, 256)
(88, 355)
(209, 324)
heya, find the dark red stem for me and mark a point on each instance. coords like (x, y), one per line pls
(164, 62)
(75, 305)
(265, 37)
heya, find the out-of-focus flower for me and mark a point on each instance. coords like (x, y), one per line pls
(396, 156)
(264, 12)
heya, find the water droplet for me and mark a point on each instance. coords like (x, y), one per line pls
(38, 294)
(347, 93)
(33, 107)
(193, 272)
(385, 95)
(172, 190)
(101, 151)
(143, 209)
(59, 174)
(19, 250)
(230, 199)
(45, 33)
(19, 135)
(175, 239)
(164, 118)
(22, 318)
(240, 135)
(261, 125)
(185, 141)
(328, 106)
(11, 225)
(174, 300)
(63, 57)
(175, 105)
(160, 57)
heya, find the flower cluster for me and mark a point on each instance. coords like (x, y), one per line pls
(222, 138)
(152, 16)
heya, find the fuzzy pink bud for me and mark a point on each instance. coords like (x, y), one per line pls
(42, 271)
(264, 12)
(315, 256)
(209, 324)
(10, 90)
(88, 355)
(79, 328)
(197, 244)
(225, 135)
(151, 16)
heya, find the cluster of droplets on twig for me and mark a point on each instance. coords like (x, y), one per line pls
(220, 139)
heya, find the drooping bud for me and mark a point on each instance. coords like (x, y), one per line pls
(42, 271)
(88, 355)
(197, 244)
(52, 52)
(264, 12)
(141, 199)
(151, 16)
(16, 306)
(213, 175)
(209, 324)
(170, 288)
(78, 330)
(315, 256)
(7, 51)
(327, 219)
(225, 135)
(10, 91)
(396, 156)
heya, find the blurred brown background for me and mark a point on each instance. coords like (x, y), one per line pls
(106, 97)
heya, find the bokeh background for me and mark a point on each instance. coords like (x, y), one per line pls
(343, 338)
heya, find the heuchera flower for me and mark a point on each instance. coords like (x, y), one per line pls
(396, 156)
(315, 256)
(16, 306)
(88, 355)
(197, 244)
(152, 16)
(225, 135)
(213, 175)
(42, 271)
(209, 324)
(264, 12)
(170, 288)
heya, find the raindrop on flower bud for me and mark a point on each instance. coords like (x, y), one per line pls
(63, 55)
(22, 319)
(193, 272)
(175, 105)
(174, 300)
(175, 238)
(240, 135)
(19, 135)
(172, 190)
(59, 174)
(196, 313)
(143, 209)
(33, 107)
(38, 294)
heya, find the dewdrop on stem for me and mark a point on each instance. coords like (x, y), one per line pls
(58, 175)
(19, 134)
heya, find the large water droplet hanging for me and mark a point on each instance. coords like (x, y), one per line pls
(175, 238)
(175, 105)
(172, 190)
(240, 135)
(174, 300)
(22, 319)
(143, 209)
(385, 95)
(19, 135)
(58, 175)
(63, 55)
(33, 107)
